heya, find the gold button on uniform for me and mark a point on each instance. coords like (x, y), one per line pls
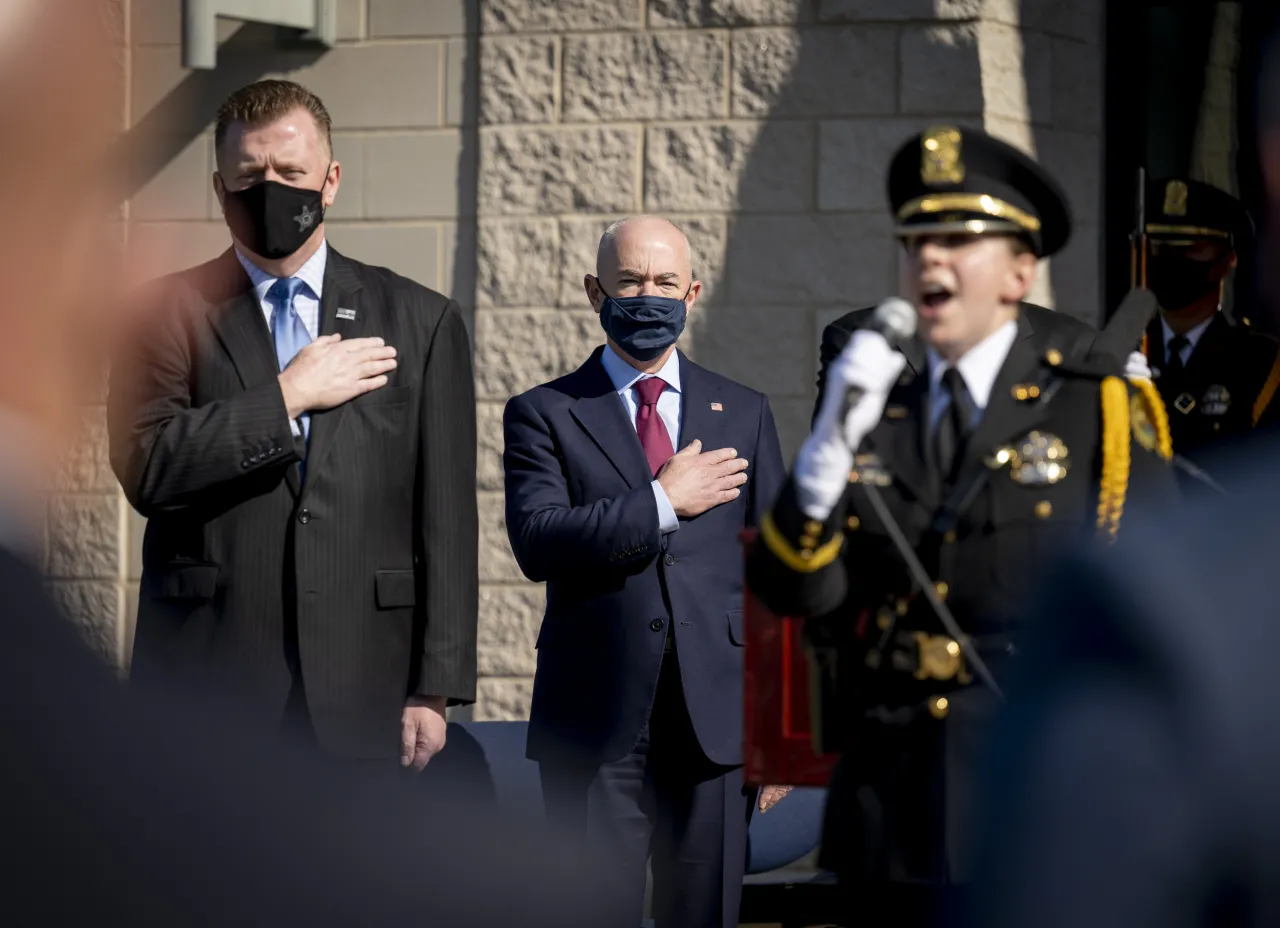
(942, 589)
(1053, 356)
(950, 537)
(939, 706)
(1044, 509)
(854, 523)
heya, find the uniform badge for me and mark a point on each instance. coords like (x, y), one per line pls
(940, 162)
(1184, 403)
(869, 468)
(1216, 401)
(1175, 198)
(1038, 459)
(1144, 430)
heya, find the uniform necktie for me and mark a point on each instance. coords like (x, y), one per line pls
(952, 433)
(1175, 366)
(654, 438)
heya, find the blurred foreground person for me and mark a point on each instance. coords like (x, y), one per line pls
(989, 444)
(1133, 782)
(117, 810)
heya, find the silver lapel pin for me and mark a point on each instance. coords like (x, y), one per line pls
(346, 314)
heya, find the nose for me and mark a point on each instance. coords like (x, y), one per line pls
(929, 251)
(650, 288)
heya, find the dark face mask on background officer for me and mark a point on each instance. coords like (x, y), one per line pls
(274, 183)
(644, 291)
(1186, 276)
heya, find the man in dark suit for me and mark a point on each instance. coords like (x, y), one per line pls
(994, 449)
(299, 430)
(637, 703)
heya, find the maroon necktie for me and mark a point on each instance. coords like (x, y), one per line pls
(654, 438)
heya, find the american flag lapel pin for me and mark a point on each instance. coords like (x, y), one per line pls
(716, 407)
(344, 313)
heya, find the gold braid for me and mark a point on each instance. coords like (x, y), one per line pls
(1115, 455)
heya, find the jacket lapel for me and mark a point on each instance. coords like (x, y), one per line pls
(903, 429)
(237, 319)
(698, 416)
(601, 414)
(1005, 416)
(341, 290)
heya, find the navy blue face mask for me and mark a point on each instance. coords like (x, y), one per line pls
(643, 326)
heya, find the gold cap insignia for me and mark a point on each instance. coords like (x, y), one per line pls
(1175, 198)
(940, 156)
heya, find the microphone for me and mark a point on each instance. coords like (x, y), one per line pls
(895, 320)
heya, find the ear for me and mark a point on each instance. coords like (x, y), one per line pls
(220, 190)
(695, 290)
(595, 294)
(1020, 278)
(329, 192)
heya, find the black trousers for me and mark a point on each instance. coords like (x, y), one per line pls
(667, 803)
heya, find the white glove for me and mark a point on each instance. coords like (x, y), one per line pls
(822, 467)
(1136, 368)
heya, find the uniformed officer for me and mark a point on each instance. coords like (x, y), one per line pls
(1218, 379)
(990, 448)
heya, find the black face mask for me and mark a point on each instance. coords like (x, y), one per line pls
(1178, 282)
(272, 219)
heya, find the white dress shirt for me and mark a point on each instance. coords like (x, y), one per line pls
(306, 302)
(979, 368)
(1192, 337)
(624, 378)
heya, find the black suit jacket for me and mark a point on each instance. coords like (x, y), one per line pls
(1071, 336)
(374, 557)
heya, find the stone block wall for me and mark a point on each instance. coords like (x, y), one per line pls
(486, 144)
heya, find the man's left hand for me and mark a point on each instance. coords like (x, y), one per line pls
(770, 796)
(422, 730)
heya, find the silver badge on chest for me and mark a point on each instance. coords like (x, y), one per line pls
(1216, 401)
(1036, 460)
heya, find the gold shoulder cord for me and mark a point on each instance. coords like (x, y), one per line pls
(1115, 455)
(802, 562)
(1159, 416)
(1268, 390)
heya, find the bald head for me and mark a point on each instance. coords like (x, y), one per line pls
(645, 233)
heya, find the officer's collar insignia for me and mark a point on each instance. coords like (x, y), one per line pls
(1035, 460)
(1216, 401)
(1184, 403)
(1144, 430)
(1025, 392)
(1175, 198)
(940, 161)
(869, 468)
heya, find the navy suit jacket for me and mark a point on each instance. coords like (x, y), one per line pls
(581, 516)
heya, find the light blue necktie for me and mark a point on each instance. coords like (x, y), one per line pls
(287, 330)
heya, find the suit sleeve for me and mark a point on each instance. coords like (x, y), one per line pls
(552, 538)
(770, 472)
(834, 338)
(170, 455)
(450, 522)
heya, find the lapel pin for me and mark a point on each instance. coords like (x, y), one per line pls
(895, 412)
(716, 407)
(346, 314)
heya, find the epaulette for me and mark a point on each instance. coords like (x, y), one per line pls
(1084, 367)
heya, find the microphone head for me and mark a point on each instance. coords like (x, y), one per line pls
(895, 315)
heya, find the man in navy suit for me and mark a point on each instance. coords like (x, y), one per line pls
(637, 703)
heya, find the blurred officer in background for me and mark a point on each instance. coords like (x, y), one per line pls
(992, 451)
(1218, 379)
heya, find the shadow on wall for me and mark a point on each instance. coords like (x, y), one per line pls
(251, 53)
(809, 237)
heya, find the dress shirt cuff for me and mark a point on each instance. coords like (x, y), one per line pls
(667, 520)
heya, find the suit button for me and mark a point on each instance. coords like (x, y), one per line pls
(244, 464)
(304, 516)
(669, 559)
(656, 625)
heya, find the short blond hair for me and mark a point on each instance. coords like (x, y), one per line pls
(266, 101)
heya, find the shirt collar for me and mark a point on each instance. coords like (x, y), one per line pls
(980, 365)
(1192, 336)
(624, 376)
(311, 273)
